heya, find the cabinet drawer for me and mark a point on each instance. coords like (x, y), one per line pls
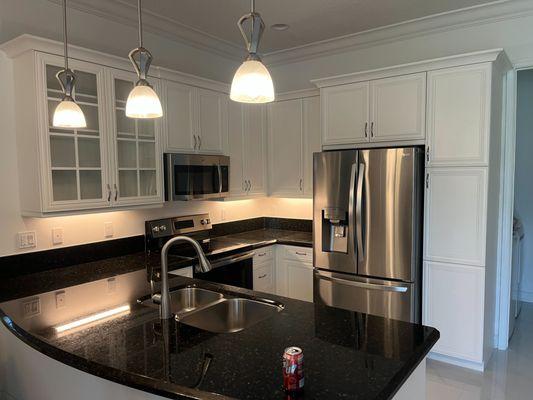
(264, 278)
(263, 254)
(303, 254)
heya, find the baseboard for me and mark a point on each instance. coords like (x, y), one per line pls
(525, 296)
(457, 361)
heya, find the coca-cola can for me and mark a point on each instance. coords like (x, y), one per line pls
(293, 369)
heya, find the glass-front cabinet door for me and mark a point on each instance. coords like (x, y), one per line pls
(77, 158)
(136, 149)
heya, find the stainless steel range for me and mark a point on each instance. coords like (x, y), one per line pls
(367, 230)
(232, 265)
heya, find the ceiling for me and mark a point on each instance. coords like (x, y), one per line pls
(309, 20)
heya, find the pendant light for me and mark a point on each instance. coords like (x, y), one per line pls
(252, 82)
(143, 101)
(67, 113)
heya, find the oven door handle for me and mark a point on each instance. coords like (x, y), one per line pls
(219, 169)
(232, 259)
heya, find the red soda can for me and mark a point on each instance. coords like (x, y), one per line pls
(293, 369)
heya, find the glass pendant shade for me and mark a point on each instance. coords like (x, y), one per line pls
(69, 115)
(143, 102)
(252, 83)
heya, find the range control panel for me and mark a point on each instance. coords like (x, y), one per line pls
(178, 225)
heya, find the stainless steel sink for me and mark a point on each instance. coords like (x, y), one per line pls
(188, 299)
(231, 315)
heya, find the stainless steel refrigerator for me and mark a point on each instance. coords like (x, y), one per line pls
(367, 230)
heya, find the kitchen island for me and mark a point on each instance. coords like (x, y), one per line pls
(128, 354)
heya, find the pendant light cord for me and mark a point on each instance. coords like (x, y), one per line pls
(65, 39)
(140, 23)
(252, 6)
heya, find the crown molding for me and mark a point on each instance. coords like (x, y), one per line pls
(448, 21)
(484, 56)
(122, 12)
(297, 94)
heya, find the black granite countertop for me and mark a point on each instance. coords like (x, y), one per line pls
(346, 354)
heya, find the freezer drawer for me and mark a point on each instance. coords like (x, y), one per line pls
(390, 299)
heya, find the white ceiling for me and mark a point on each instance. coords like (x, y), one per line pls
(310, 20)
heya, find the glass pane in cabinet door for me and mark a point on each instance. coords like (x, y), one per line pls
(146, 128)
(86, 87)
(91, 116)
(89, 152)
(148, 184)
(125, 125)
(64, 185)
(127, 183)
(127, 154)
(122, 91)
(146, 155)
(90, 184)
(62, 152)
(51, 81)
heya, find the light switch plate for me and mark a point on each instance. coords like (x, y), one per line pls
(26, 239)
(31, 308)
(111, 285)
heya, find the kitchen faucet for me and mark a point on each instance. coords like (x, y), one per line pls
(203, 266)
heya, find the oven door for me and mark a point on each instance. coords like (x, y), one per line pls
(235, 270)
(195, 176)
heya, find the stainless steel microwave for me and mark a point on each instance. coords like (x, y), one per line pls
(195, 176)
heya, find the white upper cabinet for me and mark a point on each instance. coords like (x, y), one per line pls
(235, 149)
(137, 161)
(459, 116)
(195, 118)
(398, 108)
(254, 149)
(285, 126)
(179, 120)
(456, 215)
(312, 144)
(345, 113)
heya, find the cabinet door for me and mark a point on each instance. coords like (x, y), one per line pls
(235, 148)
(453, 303)
(254, 154)
(398, 108)
(299, 280)
(311, 125)
(285, 148)
(211, 120)
(345, 114)
(136, 149)
(179, 120)
(455, 215)
(264, 280)
(76, 159)
(458, 116)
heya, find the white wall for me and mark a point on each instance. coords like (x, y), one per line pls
(523, 182)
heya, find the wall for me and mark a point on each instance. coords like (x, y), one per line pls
(523, 168)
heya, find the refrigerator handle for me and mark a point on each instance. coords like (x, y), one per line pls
(351, 214)
(363, 285)
(358, 213)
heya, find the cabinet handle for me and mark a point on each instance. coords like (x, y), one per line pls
(262, 276)
(261, 254)
(108, 193)
(249, 185)
(427, 154)
(366, 129)
(199, 142)
(300, 253)
(372, 129)
(427, 180)
(116, 191)
(301, 184)
(195, 142)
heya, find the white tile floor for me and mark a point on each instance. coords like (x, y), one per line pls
(509, 375)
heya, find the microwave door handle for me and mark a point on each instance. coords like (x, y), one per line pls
(363, 285)
(351, 202)
(359, 213)
(219, 169)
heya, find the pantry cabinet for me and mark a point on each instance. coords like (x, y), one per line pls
(112, 162)
(195, 118)
(246, 149)
(381, 110)
(294, 135)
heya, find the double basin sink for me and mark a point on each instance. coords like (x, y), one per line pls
(215, 312)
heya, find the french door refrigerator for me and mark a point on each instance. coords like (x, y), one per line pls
(367, 230)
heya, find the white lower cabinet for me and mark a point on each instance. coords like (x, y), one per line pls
(294, 272)
(453, 303)
(264, 271)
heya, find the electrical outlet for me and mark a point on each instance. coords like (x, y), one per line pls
(61, 299)
(111, 285)
(31, 308)
(108, 229)
(222, 215)
(57, 235)
(27, 239)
